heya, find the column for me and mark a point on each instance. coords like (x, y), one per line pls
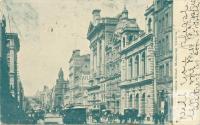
(103, 57)
(98, 57)
(91, 61)
(123, 69)
(140, 102)
(140, 64)
(133, 67)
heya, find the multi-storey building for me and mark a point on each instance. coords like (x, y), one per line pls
(163, 14)
(137, 76)
(11, 88)
(60, 89)
(107, 37)
(79, 66)
(4, 78)
(100, 34)
(13, 48)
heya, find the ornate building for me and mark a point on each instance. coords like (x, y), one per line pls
(100, 34)
(10, 84)
(79, 66)
(137, 76)
(60, 89)
(107, 37)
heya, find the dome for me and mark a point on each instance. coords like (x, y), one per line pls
(126, 24)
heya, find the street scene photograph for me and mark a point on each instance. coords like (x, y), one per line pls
(86, 62)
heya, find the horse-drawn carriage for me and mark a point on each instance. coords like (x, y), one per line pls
(74, 115)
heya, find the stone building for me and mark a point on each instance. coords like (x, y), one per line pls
(11, 88)
(137, 66)
(107, 38)
(4, 78)
(79, 66)
(99, 34)
(13, 48)
(163, 16)
(60, 89)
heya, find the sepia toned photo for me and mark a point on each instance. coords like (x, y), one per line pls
(130, 62)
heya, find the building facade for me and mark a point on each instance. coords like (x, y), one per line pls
(108, 37)
(11, 87)
(99, 34)
(163, 16)
(79, 66)
(136, 64)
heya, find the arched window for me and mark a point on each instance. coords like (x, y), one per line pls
(143, 103)
(149, 25)
(130, 101)
(130, 68)
(167, 44)
(163, 46)
(137, 65)
(124, 42)
(137, 101)
(143, 64)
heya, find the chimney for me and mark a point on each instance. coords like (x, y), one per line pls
(96, 16)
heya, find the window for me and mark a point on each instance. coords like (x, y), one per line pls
(137, 65)
(130, 38)
(149, 25)
(159, 26)
(163, 47)
(159, 48)
(143, 64)
(130, 101)
(167, 44)
(130, 68)
(167, 70)
(143, 103)
(137, 102)
(161, 69)
(124, 42)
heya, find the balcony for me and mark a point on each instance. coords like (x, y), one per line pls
(137, 80)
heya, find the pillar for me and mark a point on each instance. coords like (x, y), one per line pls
(98, 57)
(103, 57)
(91, 61)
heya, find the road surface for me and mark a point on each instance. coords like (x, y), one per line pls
(51, 119)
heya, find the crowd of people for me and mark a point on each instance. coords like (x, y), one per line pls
(129, 116)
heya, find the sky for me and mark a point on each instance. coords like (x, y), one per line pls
(49, 30)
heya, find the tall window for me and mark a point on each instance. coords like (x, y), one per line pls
(160, 71)
(130, 68)
(143, 64)
(167, 70)
(130, 101)
(137, 101)
(160, 48)
(143, 103)
(166, 20)
(137, 65)
(167, 44)
(124, 41)
(149, 25)
(160, 26)
(163, 47)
